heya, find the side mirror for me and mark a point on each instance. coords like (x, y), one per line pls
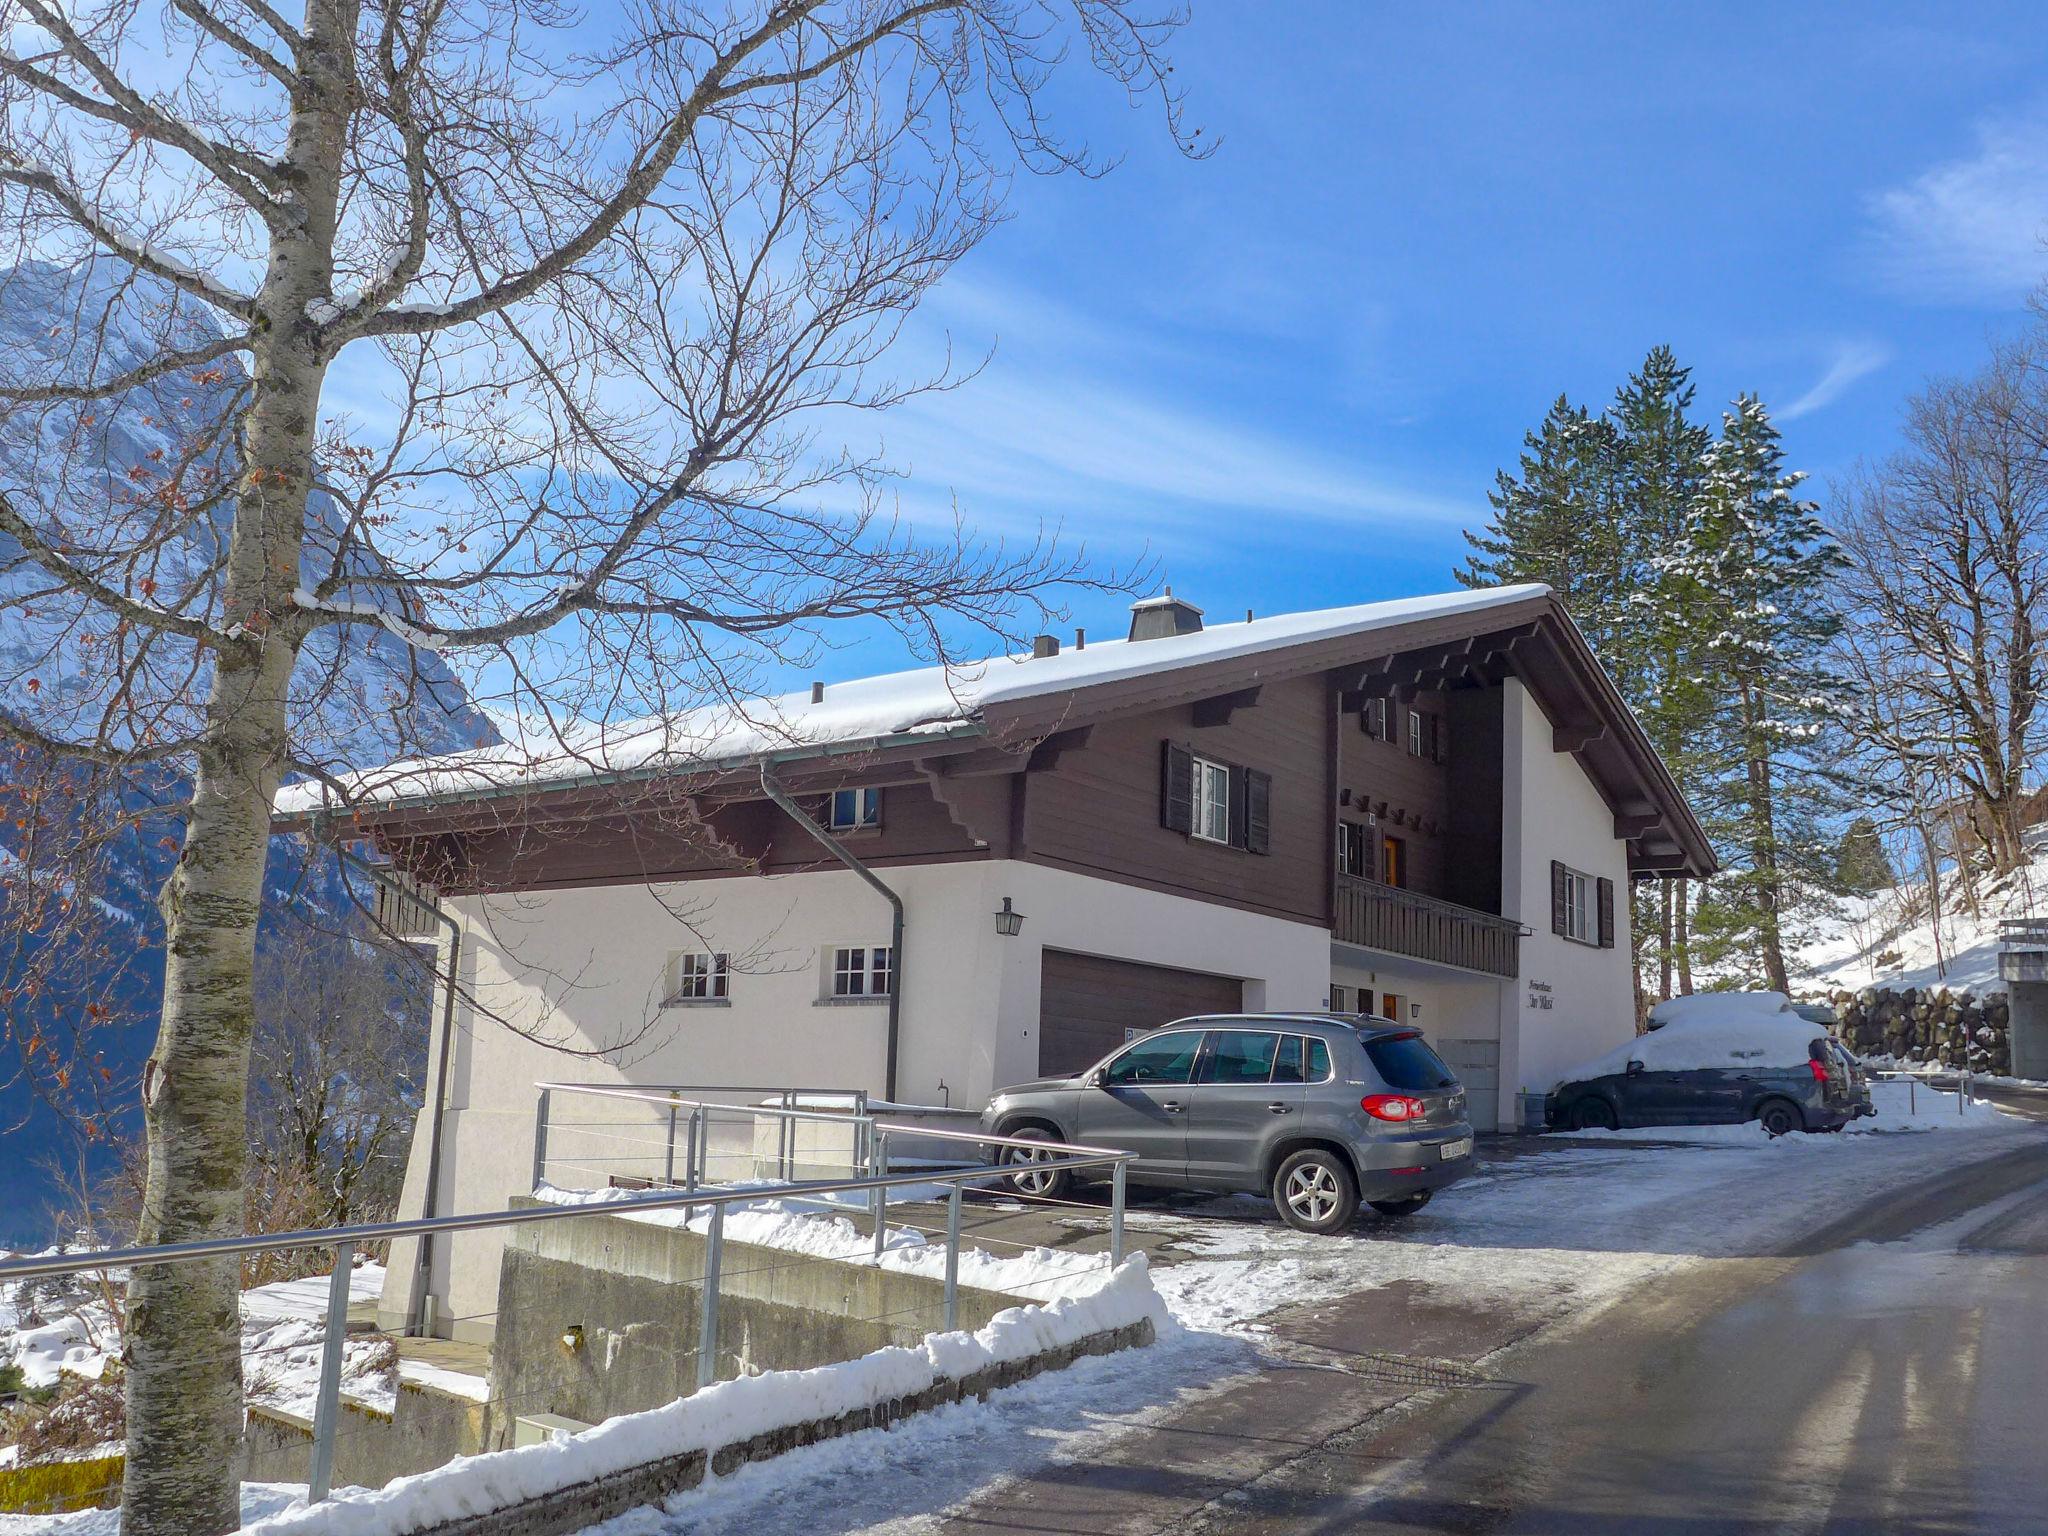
(1635, 1069)
(1098, 1077)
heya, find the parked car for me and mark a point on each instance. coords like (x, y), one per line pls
(1318, 1111)
(1718, 1059)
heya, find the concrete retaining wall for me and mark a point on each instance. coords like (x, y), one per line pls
(574, 1508)
(633, 1291)
(427, 1428)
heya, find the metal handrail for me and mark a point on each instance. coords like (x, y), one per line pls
(345, 1240)
(666, 1101)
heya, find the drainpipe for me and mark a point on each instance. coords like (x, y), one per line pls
(415, 1309)
(837, 849)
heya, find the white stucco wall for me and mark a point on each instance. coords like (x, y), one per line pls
(1553, 811)
(584, 970)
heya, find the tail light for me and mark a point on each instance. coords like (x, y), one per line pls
(1819, 1069)
(1393, 1106)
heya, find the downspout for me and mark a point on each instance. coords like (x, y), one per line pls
(415, 1309)
(837, 849)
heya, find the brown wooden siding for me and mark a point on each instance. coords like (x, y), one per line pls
(1087, 1004)
(1410, 795)
(660, 843)
(1097, 810)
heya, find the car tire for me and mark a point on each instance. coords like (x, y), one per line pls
(1779, 1117)
(1591, 1114)
(1045, 1184)
(1314, 1191)
(1407, 1205)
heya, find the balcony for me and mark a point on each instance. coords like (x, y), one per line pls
(1398, 922)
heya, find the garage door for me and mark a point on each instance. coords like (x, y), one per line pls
(1477, 1063)
(1089, 1005)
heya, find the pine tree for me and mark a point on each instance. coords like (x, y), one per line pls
(1754, 564)
(1862, 865)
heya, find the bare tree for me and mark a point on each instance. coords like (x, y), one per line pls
(1948, 550)
(415, 341)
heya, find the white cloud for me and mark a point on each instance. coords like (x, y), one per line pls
(1853, 359)
(1971, 229)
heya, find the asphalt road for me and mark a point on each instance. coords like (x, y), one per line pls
(1890, 1375)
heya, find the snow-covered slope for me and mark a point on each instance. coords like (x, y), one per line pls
(1890, 940)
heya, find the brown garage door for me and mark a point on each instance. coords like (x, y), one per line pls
(1089, 1005)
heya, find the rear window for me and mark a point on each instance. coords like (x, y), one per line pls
(1407, 1062)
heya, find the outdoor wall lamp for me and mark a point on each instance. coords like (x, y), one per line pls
(1009, 921)
(572, 1338)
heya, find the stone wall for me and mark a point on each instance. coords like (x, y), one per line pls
(1928, 1024)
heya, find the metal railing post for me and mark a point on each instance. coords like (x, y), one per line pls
(881, 1196)
(953, 1259)
(1962, 1092)
(1912, 1093)
(1116, 1214)
(668, 1173)
(327, 1405)
(707, 1317)
(540, 1139)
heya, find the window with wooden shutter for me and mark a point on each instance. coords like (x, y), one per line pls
(1238, 816)
(1606, 905)
(1258, 811)
(1439, 738)
(1557, 884)
(1373, 719)
(1177, 789)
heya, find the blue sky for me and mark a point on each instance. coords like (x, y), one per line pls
(1289, 371)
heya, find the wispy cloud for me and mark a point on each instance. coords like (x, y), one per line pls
(1970, 229)
(1108, 428)
(1853, 359)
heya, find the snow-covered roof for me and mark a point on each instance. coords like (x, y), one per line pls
(864, 713)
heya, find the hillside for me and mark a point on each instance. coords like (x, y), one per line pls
(388, 702)
(1889, 939)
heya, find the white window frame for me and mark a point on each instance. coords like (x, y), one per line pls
(1211, 812)
(698, 977)
(1581, 918)
(866, 804)
(866, 979)
(1415, 733)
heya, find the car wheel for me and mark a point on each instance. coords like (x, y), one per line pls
(1594, 1115)
(1314, 1192)
(1780, 1117)
(1027, 1177)
(1407, 1205)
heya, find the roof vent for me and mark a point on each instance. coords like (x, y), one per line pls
(1045, 645)
(817, 693)
(1154, 618)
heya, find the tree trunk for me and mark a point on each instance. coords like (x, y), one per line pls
(1664, 955)
(183, 1355)
(1763, 847)
(1682, 933)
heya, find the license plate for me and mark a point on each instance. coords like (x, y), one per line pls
(1462, 1147)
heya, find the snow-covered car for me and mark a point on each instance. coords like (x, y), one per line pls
(1718, 1058)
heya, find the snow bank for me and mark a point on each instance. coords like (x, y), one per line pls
(805, 1225)
(722, 1414)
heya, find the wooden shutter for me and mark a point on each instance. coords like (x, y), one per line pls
(1556, 897)
(1606, 900)
(1177, 788)
(1258, 811)
(1240, 816)
(1372, 719)
(1439, 738)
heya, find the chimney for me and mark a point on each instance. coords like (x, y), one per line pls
(817, 693)
(1153, 618)
(1045, 645)
(1080, 639)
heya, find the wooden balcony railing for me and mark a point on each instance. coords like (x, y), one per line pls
(1385, 917)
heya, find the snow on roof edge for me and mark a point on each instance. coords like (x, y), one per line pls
(857, 714)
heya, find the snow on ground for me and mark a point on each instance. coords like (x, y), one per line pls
(258, 1500)
(282, 1328)
(1886, 940)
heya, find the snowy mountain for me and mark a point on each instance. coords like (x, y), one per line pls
(1891, 939)
(366, 698)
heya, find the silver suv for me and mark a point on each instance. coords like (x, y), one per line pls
(1317, 1110)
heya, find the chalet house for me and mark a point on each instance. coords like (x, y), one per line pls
(1425, 809)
